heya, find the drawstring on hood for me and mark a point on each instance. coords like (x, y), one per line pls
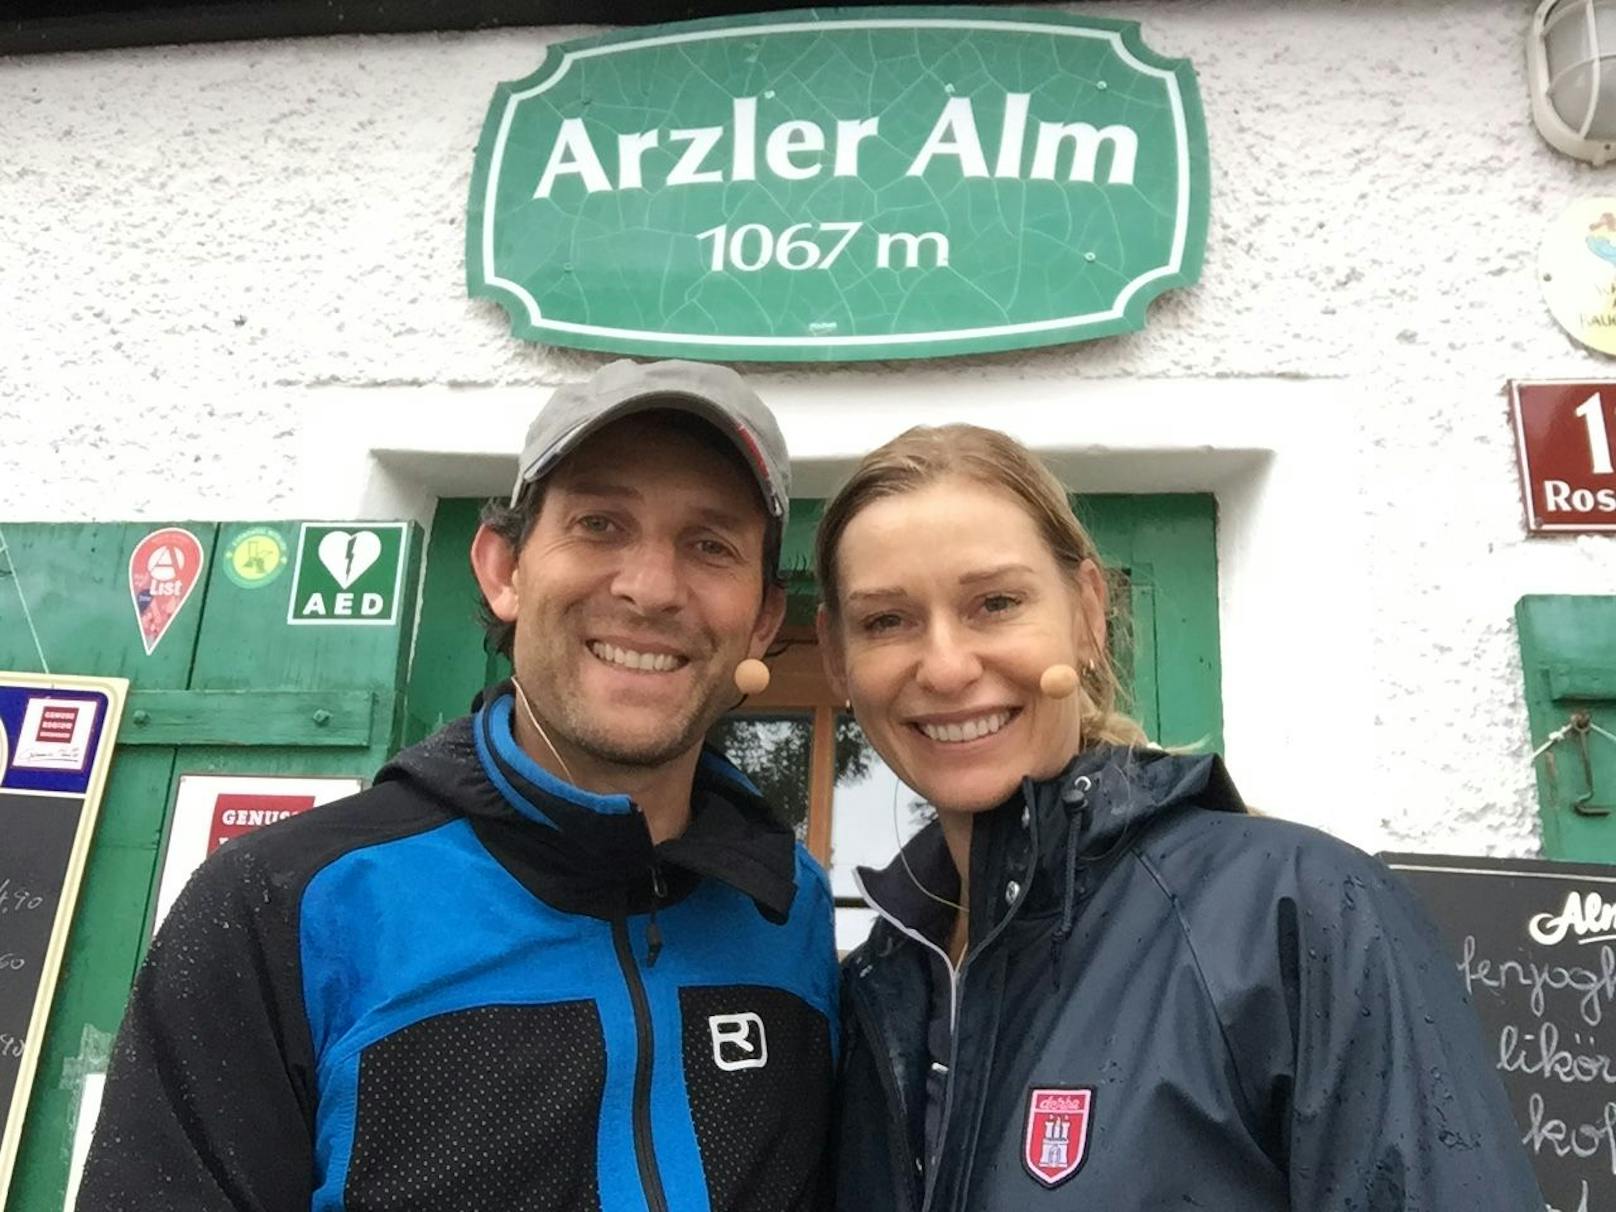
(1076, 799)
(1074, 796)
(653, 932)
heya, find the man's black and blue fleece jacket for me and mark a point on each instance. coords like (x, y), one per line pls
(474, 986)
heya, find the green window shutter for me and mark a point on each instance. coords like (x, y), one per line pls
(75, 579)
(324, 699)
(1568, 658)
(230, 689)
(797, 561)
(450, 664)
(1164, 548)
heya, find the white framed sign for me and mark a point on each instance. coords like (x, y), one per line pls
(56, 741)
(210, 809)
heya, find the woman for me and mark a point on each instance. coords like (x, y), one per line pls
(1095, 981)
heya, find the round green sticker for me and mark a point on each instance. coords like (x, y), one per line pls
(255, 557)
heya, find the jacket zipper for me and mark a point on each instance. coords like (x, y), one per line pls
(953, 1043)
(953, 1064)
(903, 1162)
(645, 1054)
(954, 975)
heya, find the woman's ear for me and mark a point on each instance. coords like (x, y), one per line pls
(831, 653)
(1093, 601)
(493, 560)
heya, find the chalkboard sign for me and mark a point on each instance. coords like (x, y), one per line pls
(56, 738)
(1535, 944)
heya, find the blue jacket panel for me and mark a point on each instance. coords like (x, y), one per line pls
(473, 986)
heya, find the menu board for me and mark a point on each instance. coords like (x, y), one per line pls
(1535, 945)
(56, 738)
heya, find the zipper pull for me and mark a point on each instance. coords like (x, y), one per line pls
(653, 941)
(653, 932)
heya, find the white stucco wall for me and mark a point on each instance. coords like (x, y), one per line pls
(232, 285)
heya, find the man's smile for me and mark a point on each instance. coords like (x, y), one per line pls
(640, 659)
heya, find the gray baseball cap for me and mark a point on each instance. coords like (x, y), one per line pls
(714, 393)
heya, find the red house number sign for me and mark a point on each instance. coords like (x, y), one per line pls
(1566, 442)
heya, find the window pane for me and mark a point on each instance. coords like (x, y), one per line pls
(772, 750)
(867, 800)
(853, 924)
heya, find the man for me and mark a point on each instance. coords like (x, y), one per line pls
(558, 957)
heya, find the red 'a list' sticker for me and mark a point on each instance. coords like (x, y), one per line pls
(164, 569)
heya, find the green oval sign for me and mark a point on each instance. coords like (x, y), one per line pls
(854, 184)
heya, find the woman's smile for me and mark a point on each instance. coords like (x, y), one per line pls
(964, 728)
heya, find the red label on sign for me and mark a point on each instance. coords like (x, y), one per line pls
(1057, 1134)
(57, 724)
(1566, 443)
(165, 567)
(234, 814)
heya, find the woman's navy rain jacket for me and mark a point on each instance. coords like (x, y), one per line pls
(1167, 1004)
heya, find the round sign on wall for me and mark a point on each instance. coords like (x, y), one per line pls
(1577, 271)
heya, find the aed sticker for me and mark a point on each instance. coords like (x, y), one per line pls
(255, 557)
(1577, 271)
(163, 570)
(349, 573)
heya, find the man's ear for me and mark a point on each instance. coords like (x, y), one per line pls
(493, 560)
(830, 653)
(770, 616)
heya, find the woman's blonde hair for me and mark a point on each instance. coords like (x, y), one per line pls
(925, 454)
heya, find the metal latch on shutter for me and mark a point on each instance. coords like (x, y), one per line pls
(1584, 685)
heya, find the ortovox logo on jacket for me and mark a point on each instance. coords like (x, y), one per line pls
(739, 1041)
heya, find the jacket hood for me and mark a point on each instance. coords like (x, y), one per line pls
(1044, 838)
(1130, 788)
(595, 851)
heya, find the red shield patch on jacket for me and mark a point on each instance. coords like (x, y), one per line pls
(1057, 1134)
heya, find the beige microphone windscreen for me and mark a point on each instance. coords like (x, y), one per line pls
(1059, 681)
(751, 676)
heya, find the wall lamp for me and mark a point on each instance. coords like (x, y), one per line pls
(1571, 64)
